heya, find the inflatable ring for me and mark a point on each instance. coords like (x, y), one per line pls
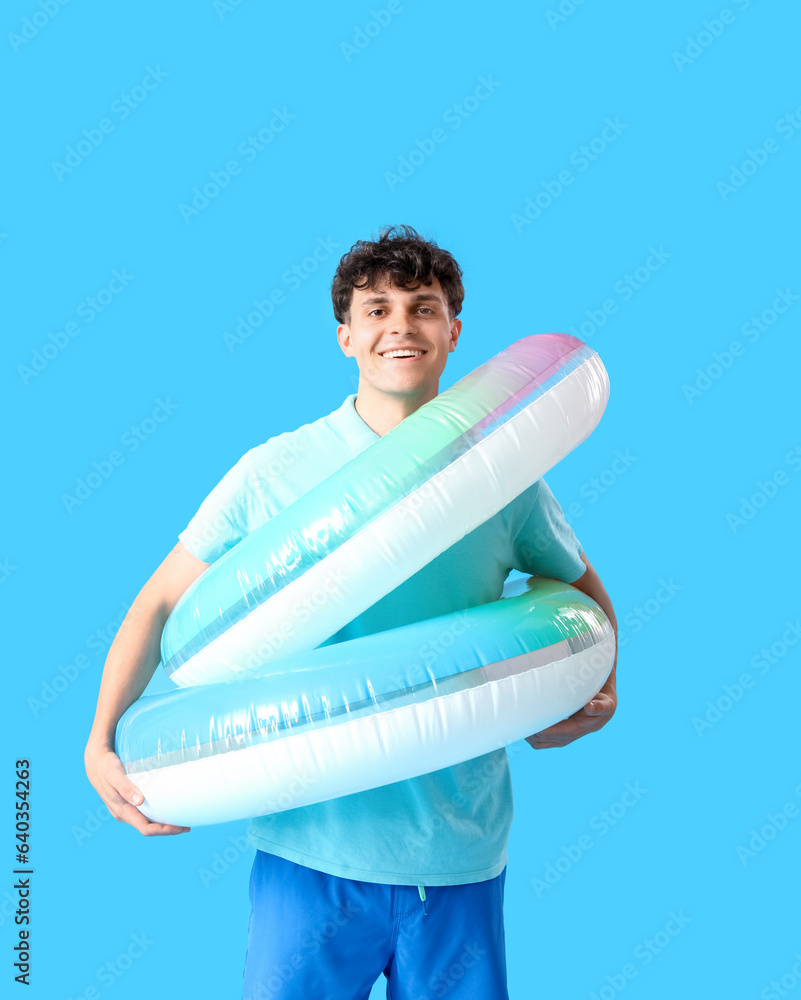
(295, 724)
(369, 711)
(443, 471)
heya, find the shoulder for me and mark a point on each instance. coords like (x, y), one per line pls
(289, 446)
(281, 470)
(525, 503)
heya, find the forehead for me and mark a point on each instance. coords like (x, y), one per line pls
(384, 291)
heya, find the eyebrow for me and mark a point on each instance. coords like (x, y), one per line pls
(380, 299)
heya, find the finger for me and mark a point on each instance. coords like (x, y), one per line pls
(129, 814)
(595, 709)
(568, 731)
(164, 830)
(601, 704)
(129, 792)
(125, 812)
(567, 726)
(122, 785)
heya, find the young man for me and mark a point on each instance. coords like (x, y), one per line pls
(406, 879)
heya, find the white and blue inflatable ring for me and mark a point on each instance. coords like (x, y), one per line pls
(439, 474)
(267, 722)
(369, 711)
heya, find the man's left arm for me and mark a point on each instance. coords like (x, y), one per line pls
(602, 707)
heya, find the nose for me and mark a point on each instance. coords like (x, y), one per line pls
(401, 321)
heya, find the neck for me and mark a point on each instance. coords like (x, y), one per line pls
(383, 412)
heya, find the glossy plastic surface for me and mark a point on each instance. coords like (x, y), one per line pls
(269, 722)
(366, 712)
(441, 472)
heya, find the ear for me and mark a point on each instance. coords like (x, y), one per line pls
(456, 329)
(344, 338)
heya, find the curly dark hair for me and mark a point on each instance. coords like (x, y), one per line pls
(401, 255)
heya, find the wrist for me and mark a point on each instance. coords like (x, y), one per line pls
(100, 741)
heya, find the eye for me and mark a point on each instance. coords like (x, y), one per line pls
(426, 309)
(374, 311)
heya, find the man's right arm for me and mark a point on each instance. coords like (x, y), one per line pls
(132, 659)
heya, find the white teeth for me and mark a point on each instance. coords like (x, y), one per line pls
(402, 354)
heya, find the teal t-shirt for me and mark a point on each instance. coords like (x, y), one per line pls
(445, 828)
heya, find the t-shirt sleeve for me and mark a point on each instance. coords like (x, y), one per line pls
(546, 545)
(222, 519)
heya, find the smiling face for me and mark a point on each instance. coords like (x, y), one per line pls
(401, 339)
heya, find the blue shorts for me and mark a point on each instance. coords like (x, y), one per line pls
(318, 935)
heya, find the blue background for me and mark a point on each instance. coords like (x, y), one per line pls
(697, 592)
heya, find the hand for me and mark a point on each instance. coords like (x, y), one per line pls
(107, 775)
(589, 719)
